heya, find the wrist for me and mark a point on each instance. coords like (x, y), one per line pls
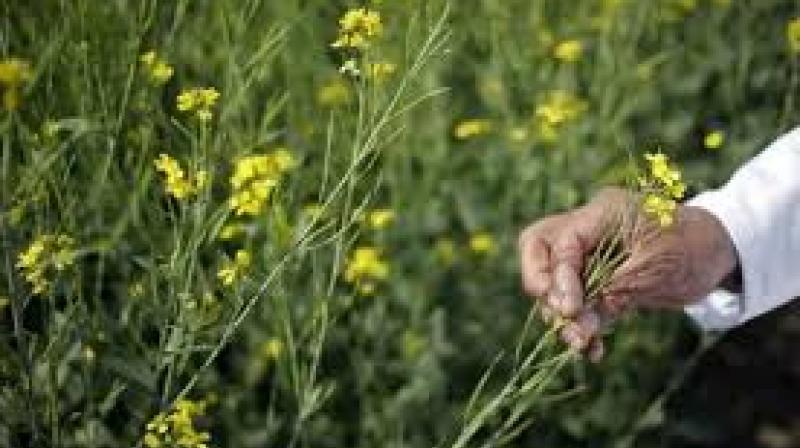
(716, 252)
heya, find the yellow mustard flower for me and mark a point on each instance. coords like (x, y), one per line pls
(380, 71)
(559, 108)
(199, 101)
(663, 176)
(334, 93)
(272, 348)
(88, 354)
(482, 243)
(157, 70)
(233, 270)
(662, 186)
(231, 231)
(472, 128)
(46, 256)
(255, 177)
(358, 28)
(714, 139)
(568, 50)
(14, 73)
(365, 268)
(380, 219)
(793, 35)
(177, 183)
(176, 428)
(661, 208)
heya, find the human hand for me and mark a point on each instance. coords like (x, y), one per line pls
(665, 267)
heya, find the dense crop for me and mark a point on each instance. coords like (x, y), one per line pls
(256, 223)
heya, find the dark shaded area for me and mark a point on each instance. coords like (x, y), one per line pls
(745, 392)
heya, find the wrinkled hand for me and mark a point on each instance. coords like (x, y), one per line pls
(665, 268)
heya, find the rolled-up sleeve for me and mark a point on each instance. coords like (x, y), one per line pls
(760, 209)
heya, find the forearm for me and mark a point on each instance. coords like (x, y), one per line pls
(759, 209)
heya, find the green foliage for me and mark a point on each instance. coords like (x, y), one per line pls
(481, 127)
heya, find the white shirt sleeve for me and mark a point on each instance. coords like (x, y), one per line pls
(760, 209)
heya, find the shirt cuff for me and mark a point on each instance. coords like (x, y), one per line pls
(719, 311)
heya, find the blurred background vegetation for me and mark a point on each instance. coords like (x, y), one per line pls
(365, 296)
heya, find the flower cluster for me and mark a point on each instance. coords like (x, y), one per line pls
(793, 35)
(662, 187)
(334, 93)
(714, 139)
(46, 254)
(472, 128)
(365, 268)
(233, 270)
(232, 231)
(380, 218)
(176, 429)
(568, 50)
(157, 70)
(272, 348)
(357, 28)
(199, 101)
(381, 71)
(482, 243)
(254, 178)
(177, 183)
(13, 73)
(560, 107)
